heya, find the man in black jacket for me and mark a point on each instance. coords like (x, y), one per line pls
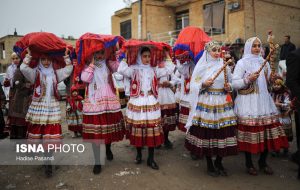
(286, 48)
(293, 82)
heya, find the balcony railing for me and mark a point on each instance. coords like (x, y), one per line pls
(171, 36)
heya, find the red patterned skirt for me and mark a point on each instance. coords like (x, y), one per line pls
(169, 118)
(105, 126)
(45, 132)
(183, 116)
(256, 139)
(143, 122)
(150, 135)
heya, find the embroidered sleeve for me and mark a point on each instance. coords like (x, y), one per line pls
(125, 70)
(238, 80)
(64, 73)
(28, 72)
(87, 74)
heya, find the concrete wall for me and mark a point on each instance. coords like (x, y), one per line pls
(9, 41)
(283, 17)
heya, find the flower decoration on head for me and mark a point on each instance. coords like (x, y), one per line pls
(211, 45)
(279, 81)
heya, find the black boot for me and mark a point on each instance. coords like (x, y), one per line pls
(194, 157)
(138, 159)
(97, 169)
(167, 143)
(150, 162)
(48, 170)
(210, 168)
(109, 154)
(97, 166)
(262, 163)
(219, 166)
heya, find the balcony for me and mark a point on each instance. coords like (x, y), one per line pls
(176, 3)
(123, 12)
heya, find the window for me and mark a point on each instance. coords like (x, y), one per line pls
(182, 20)
(214, 18)
(2, 51)
(126, 29)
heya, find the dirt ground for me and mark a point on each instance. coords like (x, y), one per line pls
(177, 171)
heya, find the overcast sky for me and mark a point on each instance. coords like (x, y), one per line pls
(61, 17)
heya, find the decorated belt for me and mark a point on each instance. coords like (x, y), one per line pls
(149, 93)
(161, 85)
(212, 91)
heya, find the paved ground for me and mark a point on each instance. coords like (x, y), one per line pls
(177, 171)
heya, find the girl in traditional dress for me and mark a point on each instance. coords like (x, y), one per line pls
(44, 115)
(166, 97)
(185, 69)
(211, 123)
(259, 129)
(74, 112)
(143, 114)
(102, 116)
(282, 99)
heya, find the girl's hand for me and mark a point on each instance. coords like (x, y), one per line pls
(253, 77)
(28, 51)
(67, 51)
(227, 87)
(208, 83)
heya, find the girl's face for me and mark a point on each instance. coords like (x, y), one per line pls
(46, 62)
(256, 47)
(74, 93)
(215, 52)
(146, 57)
(16, 60)
(276, 87)
(99, 55)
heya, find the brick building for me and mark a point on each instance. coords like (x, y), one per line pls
(6, 48)
(228, 21)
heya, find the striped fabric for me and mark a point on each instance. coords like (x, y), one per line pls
(213, 130)
(143, 122)
(256, 139)
(41, 113)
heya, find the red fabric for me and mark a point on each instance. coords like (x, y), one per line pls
(274, 144)
(38, 85)
(194, 37)
(185, 112)
(154, 86)
(50, 129)
(187, 85)
(131, 49)
(90, 43)
(75, 102)
(6, 83)
(44, 44)
(168, 113)
(109, 127)
(135, 88)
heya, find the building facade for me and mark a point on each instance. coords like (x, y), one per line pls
(229, 21)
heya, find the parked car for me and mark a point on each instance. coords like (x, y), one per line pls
(6, 92)
(5, 89)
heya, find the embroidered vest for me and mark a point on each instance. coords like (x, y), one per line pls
(40, 89)
(135, 87)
